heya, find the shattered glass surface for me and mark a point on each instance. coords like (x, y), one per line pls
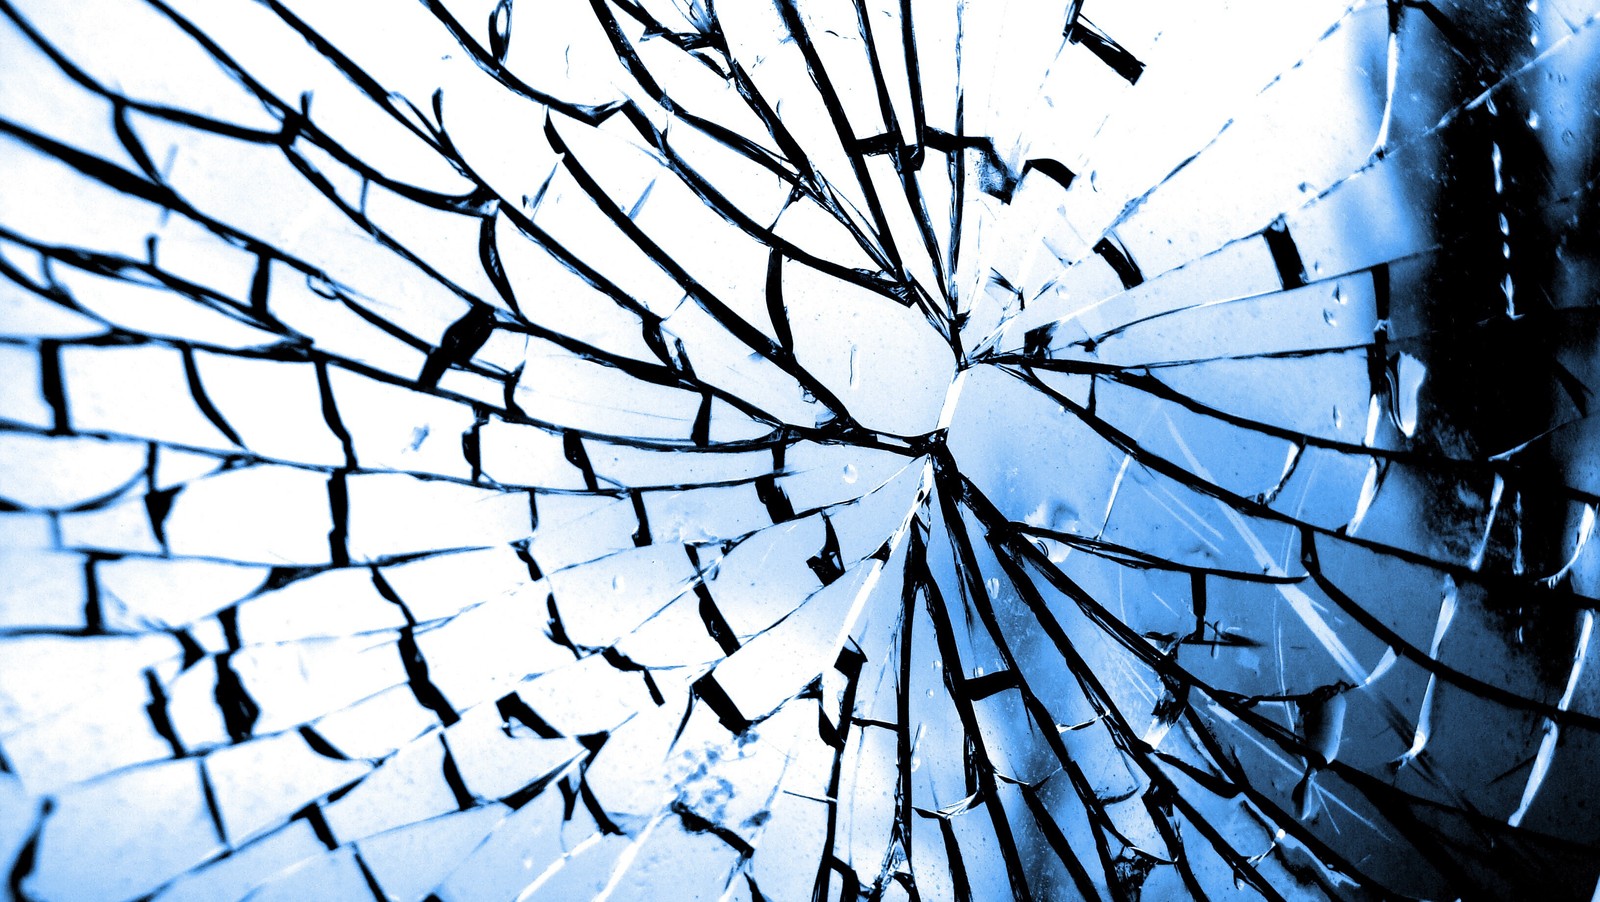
(798, 449)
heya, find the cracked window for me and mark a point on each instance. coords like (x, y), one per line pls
(798, 449)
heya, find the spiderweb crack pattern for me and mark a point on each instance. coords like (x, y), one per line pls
(786, 449)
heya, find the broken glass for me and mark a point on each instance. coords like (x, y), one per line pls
(798, 449)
